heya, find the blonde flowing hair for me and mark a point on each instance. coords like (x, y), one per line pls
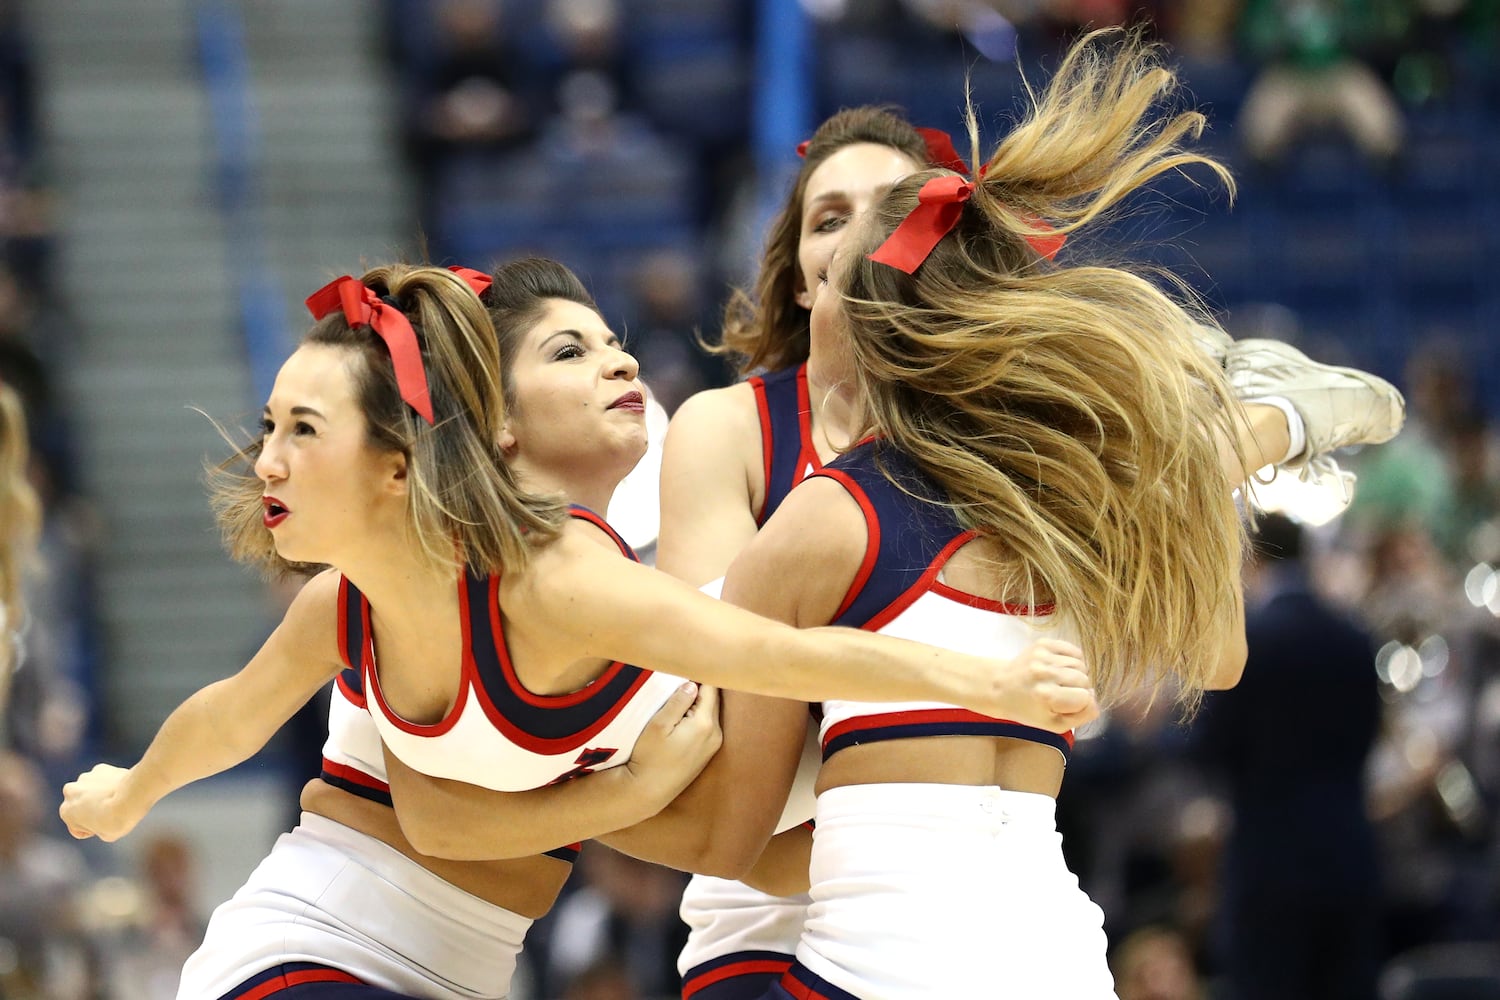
(464, 503)
(20, 523)
(1063, 407)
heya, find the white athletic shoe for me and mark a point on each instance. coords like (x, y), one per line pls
(1213, 341)
(1339, 407)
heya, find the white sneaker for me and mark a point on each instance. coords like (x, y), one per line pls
(1313, 495)
(1339, 406)
(1212, 341)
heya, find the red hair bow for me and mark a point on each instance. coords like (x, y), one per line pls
(362, 307)
(940, 203)
(477, 280)
(941, 151)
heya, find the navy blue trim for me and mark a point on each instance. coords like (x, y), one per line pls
(748, 983)
(354, 679)
(538, 721)
(568, 854)
(355, 788)
(354, 637)
(879, 734)
(820, 987)
(783, 412)
(279, 971)
(582, 513)
(914, 527)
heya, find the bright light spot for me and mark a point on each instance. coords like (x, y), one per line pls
(1433, 652)
(1475, 581)
(1406, 669)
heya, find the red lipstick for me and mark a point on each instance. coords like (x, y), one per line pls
(632, 401)
(276, 511)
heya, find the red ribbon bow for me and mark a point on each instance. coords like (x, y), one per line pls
(940, 203)
(362, 307)
(477, 280)
(941, 151)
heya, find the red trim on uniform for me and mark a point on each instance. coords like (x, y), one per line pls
(355, 776)
(924, 716)
(985, 604)
(548, 701)
(353, 697)
(520, 737)
(872, 537)
(749, 967)
(808, 456)
(287, 981)
(584, 514)
(763, 411)
(372, 680)
(798, 989)
(344, 620)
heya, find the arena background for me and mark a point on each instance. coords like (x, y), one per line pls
(176, 175)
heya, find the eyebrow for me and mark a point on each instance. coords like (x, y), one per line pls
(296, 411)
(826, 196)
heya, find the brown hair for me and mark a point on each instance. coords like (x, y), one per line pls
(770, 331)
(461, 492)
(1064, 409)
(518, 296)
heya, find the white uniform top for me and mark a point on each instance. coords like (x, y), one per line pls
(498, 734)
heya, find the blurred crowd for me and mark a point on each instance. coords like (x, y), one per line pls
(1338, 811)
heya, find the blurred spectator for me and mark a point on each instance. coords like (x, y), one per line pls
(606, 979)
(164, 929)
(587, 34)
(470, 93)
(20, 522)
(1313, 78)
(1154, 963)
(41, 958)
(626, 912)
(663, 335)
(1301, 891)
(1468, 531)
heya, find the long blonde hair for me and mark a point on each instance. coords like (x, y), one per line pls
(464, 503)
(20, 523)
(1065, 409)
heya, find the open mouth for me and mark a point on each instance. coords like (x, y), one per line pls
(276, 512)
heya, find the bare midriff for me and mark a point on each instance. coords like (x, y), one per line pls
(527, 886)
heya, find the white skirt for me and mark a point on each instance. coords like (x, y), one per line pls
(332, 895)
(726, 918)
(928, 890)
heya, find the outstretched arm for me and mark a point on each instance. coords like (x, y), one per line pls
(220, 725)
(732, 808)
(612, 608)
(463, 822)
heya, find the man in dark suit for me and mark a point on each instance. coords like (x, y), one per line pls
(1301, 900)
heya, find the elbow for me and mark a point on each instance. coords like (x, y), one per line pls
(717, 852)
(726, 861)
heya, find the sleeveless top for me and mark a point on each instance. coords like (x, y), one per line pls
(498, 734)
(781, 401)
(912, 533)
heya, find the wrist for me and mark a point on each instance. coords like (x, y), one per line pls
(141, 789)
(641, 794)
